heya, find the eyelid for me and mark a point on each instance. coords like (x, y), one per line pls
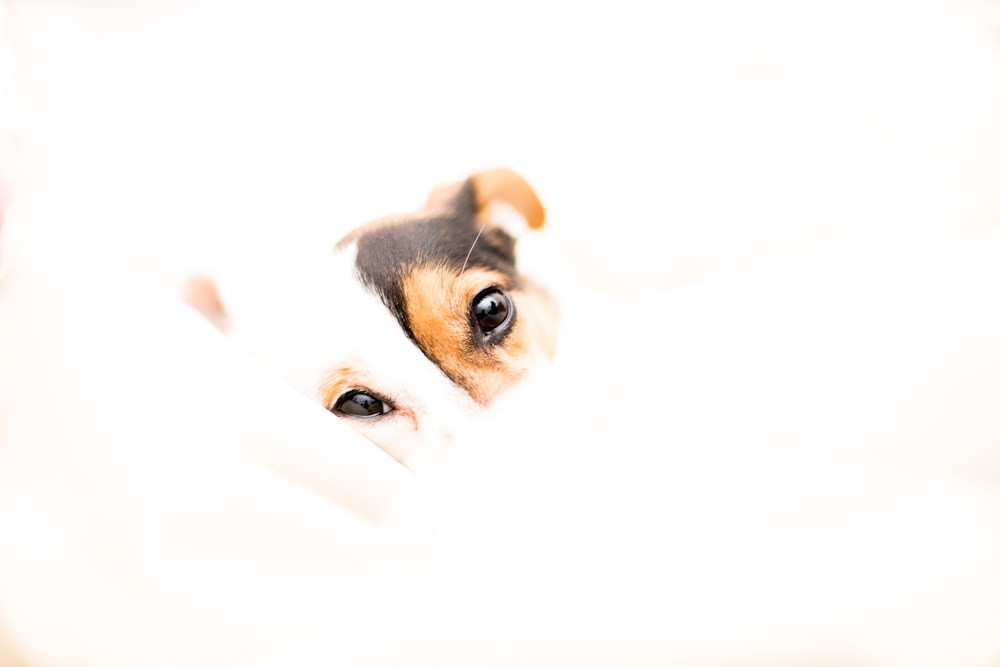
(348, 375)
(387, 405)
(498, 334)
(361, 390)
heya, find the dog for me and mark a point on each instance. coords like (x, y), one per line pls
(415, 323)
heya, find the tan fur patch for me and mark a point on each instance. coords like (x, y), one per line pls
(437, 304)
(507, 186)
(495, 185)
(202, 294)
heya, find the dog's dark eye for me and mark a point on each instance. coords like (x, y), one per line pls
(491, 308)
(358, 403)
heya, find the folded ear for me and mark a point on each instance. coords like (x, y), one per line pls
(200, 293)
(493, 191)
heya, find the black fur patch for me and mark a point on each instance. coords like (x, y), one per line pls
(386, 254)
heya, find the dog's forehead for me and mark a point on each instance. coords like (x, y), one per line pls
(365, 335)
(386, 253)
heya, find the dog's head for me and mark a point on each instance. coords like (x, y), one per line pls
(434, 318)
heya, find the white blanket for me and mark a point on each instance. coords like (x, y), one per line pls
(737, 500)
(771, 434)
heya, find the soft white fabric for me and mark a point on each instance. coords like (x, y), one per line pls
(164, 501)
(779, 447)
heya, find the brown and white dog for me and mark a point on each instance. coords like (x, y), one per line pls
(426, 319)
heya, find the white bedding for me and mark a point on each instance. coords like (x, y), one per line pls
(770, 436)
(735, 500)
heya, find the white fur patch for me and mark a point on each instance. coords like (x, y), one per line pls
(322, 317)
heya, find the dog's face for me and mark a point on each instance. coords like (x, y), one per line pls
(435, 320)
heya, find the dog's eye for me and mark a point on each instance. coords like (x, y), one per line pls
(491, 308)
(359, 403)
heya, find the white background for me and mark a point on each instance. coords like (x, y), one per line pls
(666, 138)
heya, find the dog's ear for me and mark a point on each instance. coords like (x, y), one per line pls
(201, 293)
(496, 196)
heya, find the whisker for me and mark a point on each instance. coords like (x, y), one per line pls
(469, 254)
